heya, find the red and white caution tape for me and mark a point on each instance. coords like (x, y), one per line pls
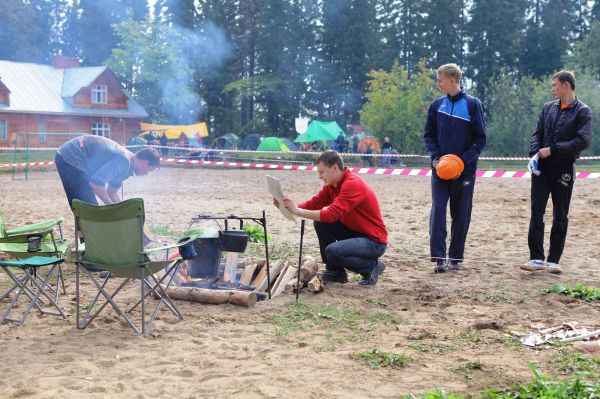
(313, 153)
(18, 165)
(368, 171)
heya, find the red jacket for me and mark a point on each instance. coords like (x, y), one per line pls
(353, 203)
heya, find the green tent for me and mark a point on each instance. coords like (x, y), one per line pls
(272, 144)
(324, 130)
(320, 131)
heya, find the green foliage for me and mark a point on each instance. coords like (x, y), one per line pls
(513, 108)
(377, 358)
(436, 394)
(543, 388)
(256, 233)
(397, 104)
(579, 291)
(569, 362)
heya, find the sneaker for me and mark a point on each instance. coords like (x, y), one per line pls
(455, 266)
(554, 268)
(534, 265)
(440, 267)
(372, 278)
(335, 276)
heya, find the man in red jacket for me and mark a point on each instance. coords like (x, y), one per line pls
(347, 221)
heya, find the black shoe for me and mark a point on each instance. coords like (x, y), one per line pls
(372, 278)
(455, 266)
(335, 276)
(440, 267)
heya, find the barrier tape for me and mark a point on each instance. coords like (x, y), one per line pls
(368, 171)
(351, 154)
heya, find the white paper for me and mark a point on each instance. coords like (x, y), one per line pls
(277, 193)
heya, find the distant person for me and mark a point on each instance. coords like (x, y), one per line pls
(455, 125)
(164, 143)
(355, 144)
(367, 159)
(340, 142)
(563, 130)
(91, 166)
(183, 140)
(348, 222)
(386, 150)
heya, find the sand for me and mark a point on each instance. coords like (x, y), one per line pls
(227, 351)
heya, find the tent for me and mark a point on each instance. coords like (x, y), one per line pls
(174, 131)
(320, 131)
(250, 142)
(290, 144)
(226, 141)
(272, 144)
(324, 130)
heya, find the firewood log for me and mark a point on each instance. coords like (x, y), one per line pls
(248, 273)
(290, 286)
(261, 283)
(284, 277)
(215, 297)
(315, 284)
(309, 268)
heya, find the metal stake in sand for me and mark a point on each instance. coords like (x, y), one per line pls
(299, 259)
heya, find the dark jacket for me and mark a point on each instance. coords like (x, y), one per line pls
(566, 132)
(456, 125)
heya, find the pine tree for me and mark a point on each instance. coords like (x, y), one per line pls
(445, 34)
(25, 31)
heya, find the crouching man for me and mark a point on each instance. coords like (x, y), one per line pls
(348, 222)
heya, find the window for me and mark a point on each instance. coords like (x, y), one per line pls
(99, 94)
(3, 130)
(42, 130)
(101, 129)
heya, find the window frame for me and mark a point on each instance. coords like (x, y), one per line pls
(99, 94)
(43, 138)
(100, 129)
(5, 138)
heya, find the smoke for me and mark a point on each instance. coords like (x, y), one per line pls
(193, 55)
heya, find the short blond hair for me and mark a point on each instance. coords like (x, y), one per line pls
(451, 71)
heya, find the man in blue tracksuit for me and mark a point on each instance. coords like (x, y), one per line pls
(455, 125)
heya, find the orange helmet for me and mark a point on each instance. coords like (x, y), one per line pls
(449, 167)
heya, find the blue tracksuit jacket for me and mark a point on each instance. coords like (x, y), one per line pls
(456, 125)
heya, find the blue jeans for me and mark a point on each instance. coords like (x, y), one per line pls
(75, 182)
(342, 248)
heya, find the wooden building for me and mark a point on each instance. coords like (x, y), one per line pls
(63, 98)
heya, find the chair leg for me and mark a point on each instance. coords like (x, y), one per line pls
(109, 300)
(34, 297)
(153, 289)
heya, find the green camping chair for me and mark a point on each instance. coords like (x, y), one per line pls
(114, 242)
(39, 290)
(34, 240)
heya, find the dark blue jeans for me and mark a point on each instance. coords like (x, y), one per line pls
(75, 182)
(342, 248)
(460, 194)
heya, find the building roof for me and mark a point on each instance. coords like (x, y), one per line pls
(43, 89)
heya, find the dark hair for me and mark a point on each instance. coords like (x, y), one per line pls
(330, 158)
(565, 76)
(150, 155)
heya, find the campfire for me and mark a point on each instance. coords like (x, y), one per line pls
(210, 277)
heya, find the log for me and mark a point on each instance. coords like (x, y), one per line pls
(248, 273)
(231, 263)
(261, 283)
(214, 297)
(278, 279)
(308, 270)
(315, 284)
(289, 274)
(290, 286)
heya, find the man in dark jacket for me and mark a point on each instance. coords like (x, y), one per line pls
(563, 130)
(455, 125)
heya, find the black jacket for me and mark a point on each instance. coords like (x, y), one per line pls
(566, 132)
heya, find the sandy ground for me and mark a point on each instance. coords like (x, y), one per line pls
(440, 321)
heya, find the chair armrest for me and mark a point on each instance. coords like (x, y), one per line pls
(189, 238)
(43, 227)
